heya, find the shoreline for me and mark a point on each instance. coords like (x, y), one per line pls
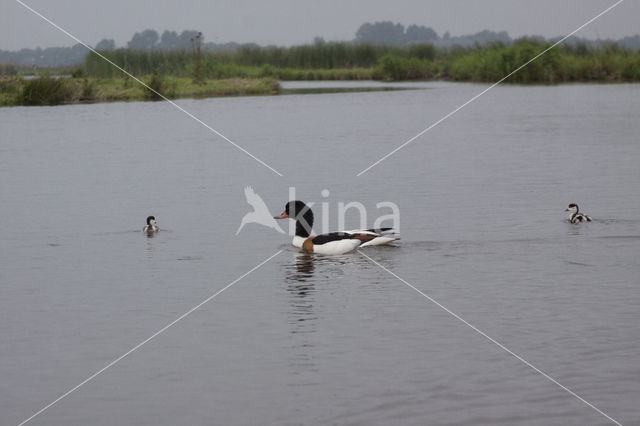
(74, 91)
(48, 91)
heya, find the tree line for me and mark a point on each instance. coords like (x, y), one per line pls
(376, 35)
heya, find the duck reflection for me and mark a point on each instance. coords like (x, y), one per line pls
(302, 269)
(301, 289)
(301, 314)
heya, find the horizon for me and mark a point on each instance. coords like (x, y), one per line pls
(440, 37)
(21, 29)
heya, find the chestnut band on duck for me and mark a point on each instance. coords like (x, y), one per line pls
(333, 242)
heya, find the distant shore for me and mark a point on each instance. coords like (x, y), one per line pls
(258, 70)
(45, 90)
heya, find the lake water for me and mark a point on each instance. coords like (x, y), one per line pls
(309, 340)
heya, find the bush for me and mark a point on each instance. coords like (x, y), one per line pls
(157, 84)
(88, 90)
(8, 69)
(164, 86)
(45, 91)
(77, 73)
(395, 68)
(10, 89)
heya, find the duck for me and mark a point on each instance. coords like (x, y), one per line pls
(332, 243)
(575, 215)
(151, 226)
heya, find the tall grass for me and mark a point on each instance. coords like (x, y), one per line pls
(138, 63)
(7, 69)
(340, 61)
(45, 91)
(49, 91)
(561, 64)
(247, 61)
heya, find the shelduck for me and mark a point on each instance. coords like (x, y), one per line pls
(333, 242)
(575, 216)
(151, 226)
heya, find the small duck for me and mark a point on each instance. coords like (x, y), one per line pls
(575, 215)
(151, 226)
(333, 242)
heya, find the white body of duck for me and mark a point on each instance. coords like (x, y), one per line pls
(334, 242)
(574, 214)
(151, 226)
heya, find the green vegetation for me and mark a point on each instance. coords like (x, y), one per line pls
(44, 91)
(562, 64)
(54, 91)
(8, 69)
(252, 70)
(10, 89)
(246, 62)
(346, 61)
(492, 63)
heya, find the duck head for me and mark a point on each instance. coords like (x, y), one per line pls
(573, 208)
(301, 213)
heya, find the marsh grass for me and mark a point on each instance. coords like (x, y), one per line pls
(345, 61)
(157, 86)
(562, 64)
(88, 90)
(10, 89)
(7, 69)
(49, 91)
(45, 91)
(253, 70)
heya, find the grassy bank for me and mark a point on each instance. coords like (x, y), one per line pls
(55, 91)
(345, 61)
(256, 70)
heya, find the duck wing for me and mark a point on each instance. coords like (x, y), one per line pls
(375, 236)
(333, 243)
(331, 236)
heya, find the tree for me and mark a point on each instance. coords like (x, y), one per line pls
(385, 32)
(185, 38)
(169, 40)
(145, 40)
(420, 34)
(106, 44)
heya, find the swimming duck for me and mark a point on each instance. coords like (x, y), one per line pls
(333, 242)
(151, 226)
(575, 216)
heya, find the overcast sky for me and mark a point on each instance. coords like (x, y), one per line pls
(287, 22)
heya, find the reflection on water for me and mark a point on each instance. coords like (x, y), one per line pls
(301, 315)
(150, 247)
(303, 269)
(301, 291)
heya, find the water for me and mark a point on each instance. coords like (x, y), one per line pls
(324, 340)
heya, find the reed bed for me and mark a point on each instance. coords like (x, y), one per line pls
(346, 61)
(47, 90)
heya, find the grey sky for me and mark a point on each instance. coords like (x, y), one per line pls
(286, 22)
